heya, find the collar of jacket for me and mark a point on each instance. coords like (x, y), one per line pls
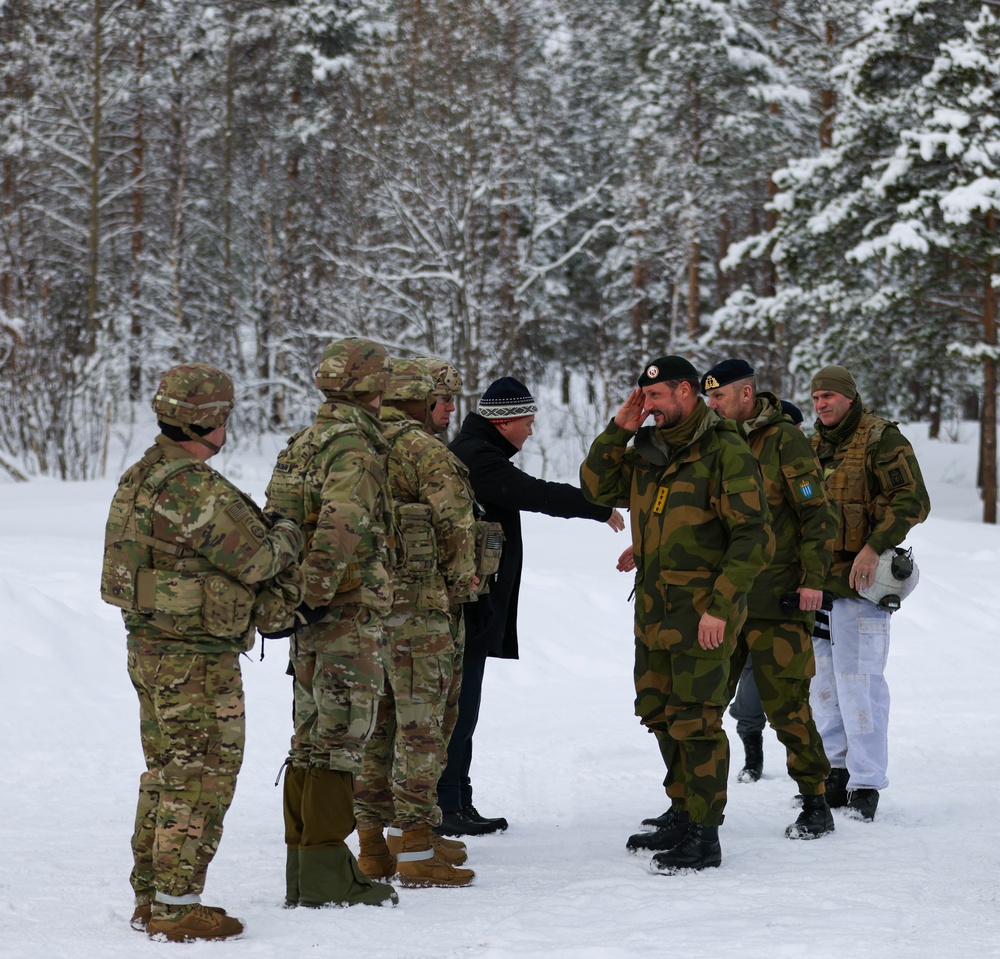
(393, 414)
(652, 444)
(766, 412)
(482, 428)
(337, 411)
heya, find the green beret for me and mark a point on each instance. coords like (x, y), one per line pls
(665, 368)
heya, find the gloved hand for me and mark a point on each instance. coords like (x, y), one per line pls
(305, 615)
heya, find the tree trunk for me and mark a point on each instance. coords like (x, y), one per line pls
(694, 284)
(828, 96)
(138, 213)
(988, 423)
(93, 231)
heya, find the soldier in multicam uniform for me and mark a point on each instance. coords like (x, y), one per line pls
(331, 477)
(435, 573)
(447, 385)
(189, 559)
(873, 476)
(699, 538)
(777, 637)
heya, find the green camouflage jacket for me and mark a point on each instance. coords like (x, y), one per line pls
(804, 519)
(346, 509)
(700, 530)
(873, 476)
(214, 528)
(434, 517)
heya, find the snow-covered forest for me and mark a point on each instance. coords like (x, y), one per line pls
(552, 188)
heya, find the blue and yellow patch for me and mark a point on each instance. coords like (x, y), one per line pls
(806, 488)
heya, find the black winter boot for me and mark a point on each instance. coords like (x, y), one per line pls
(836, 788)
(753, 766)
(498, 823)
(661, 820)
(674, 828)
(862, 803)
(814, 821)
(699, 849)
(463, 824)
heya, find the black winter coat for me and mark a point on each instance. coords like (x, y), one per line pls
(503, 490)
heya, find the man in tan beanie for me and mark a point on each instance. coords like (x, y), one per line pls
(873, 476)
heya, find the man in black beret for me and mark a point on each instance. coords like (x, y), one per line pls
(699, 537)
(776, 637)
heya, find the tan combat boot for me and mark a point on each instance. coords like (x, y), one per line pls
(144, 912)
(374, 857)
(420, 864)
(198, 922)
(450, 850)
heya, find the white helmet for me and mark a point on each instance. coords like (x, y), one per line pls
(895, 577)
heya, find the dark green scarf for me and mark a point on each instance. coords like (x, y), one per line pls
(684, 433)
(831, 438)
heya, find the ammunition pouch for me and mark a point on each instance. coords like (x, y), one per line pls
(416, 543)
(854, 527)
(489, 549)
(195, 601)
(227, 606)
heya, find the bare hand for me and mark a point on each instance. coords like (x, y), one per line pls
(711, 631)
(626, 562)
(810, 599)
(863, 570)
(632, 414)
(616, 521)
(475, 583)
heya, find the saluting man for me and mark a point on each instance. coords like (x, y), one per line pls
(699, 538)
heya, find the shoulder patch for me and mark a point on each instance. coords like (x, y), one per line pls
(244, 517)
(806, 489)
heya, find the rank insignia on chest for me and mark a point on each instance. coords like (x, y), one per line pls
(806, 487)
(661, 500)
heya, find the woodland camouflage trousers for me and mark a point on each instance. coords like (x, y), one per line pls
(783, 663)
(681, 695)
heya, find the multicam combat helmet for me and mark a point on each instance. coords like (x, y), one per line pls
(194, 394)
(409, 380)
(353, 365)
(447, 380)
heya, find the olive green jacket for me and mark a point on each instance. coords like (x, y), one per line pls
(700, 531)
(804, 518)
(875, 480)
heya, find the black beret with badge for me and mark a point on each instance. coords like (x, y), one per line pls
(666, 368)
(728, 371)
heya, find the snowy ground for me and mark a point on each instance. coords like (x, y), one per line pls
(558, 752)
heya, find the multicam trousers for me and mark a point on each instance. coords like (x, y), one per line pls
(681, 695)
(404, 757)
(193, 730)
(338, 679)
(783, 662)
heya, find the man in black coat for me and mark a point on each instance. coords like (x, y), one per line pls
(487, 441)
